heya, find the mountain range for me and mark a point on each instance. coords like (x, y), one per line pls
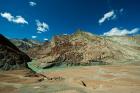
(79, 48)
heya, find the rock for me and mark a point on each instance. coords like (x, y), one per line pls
(84, 48)
(40, 80)
(83, 83)
(10, 56)
(47, 65)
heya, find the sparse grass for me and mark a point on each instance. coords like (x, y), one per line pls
(34, 65)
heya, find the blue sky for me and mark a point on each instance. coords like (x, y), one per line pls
(55, 17)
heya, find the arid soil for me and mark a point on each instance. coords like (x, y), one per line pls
(83, 79)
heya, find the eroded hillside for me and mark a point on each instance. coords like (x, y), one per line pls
(84, 48)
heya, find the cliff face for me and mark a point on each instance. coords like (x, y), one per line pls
(83, 48)
(10, 56)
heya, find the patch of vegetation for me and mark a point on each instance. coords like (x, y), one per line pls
(34, 66)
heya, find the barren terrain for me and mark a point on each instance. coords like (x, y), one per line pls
(82, 79)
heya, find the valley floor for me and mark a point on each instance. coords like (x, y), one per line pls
(83, 79)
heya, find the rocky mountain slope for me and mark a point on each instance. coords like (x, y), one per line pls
(25, 44)
(84, 48)
(10, 56)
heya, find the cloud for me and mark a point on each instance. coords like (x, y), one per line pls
(32, 3)
(107, 16)
(16, 19)
(121, 32)
(34, 37)
(111, 15)
(8, 16)
(20, 20)
(65, 34)
(46, 39)
(42, 27)
(39, 32)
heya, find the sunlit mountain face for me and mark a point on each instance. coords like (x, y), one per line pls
(43, 19)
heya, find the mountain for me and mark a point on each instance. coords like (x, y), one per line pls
(11, 57)
(84, 48)
(25, 44)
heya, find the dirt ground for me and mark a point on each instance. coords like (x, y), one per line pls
(84, 79)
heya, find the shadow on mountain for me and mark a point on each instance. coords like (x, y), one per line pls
(11, 58)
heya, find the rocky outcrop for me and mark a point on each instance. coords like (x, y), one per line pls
(83, 48)
(11, 57)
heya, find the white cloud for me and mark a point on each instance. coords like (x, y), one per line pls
(65, 34)
(111, 15)
(20, 20)
(42, 27)
(46, 39)
(107, 16)
(32, 3)
(120, 32)
(34, 37)
(8, 16)
(16, 19)
(39, 32)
